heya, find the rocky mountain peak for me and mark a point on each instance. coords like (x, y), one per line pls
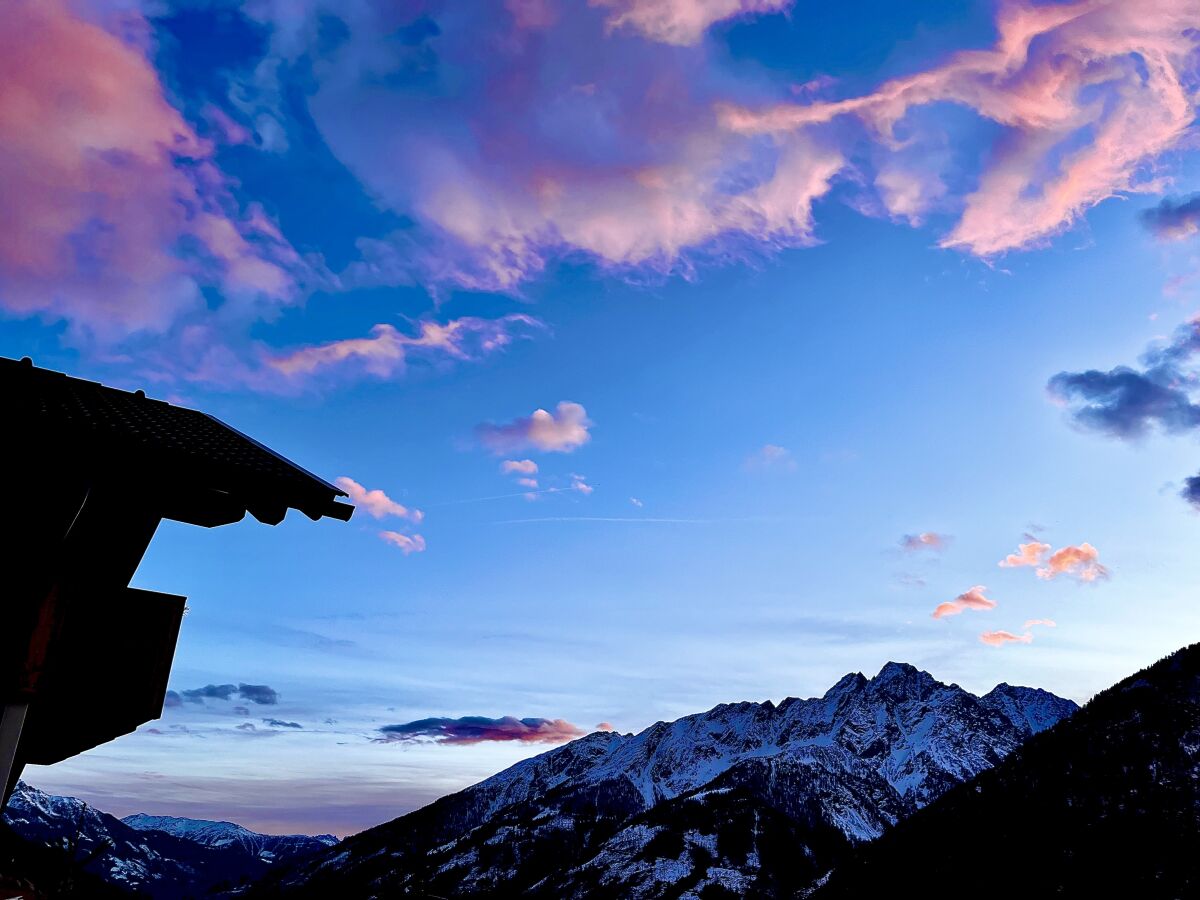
(584, 819)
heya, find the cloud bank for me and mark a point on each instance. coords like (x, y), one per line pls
(262, 694)
(479, 729)
(1172, 219)
(1127, 403)
(647, 155)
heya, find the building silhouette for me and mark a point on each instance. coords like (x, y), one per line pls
(91, 471)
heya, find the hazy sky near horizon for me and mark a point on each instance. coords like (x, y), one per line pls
(698, 351)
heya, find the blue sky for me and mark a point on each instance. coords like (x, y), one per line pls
(792, 344)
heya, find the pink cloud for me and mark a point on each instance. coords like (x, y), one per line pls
(528, 482)
(118, 220)
(114, 216)
(970, 599)
(387, 350)
(562, 431)
(226, 130)
(1030, 554)
(533, 15)
(1088, 93)
(1082, 562)
(605, 726)
(480, 729)
(681, 22)
(612, 155)
(1000, 638)
(408, 543)
(926, 540)
(580, 485)
(376, 502)
(521, 466)
(908, 192)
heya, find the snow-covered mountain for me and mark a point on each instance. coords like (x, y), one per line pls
(267, 847)
(184, 858)
(753, 799)
(1105, 805)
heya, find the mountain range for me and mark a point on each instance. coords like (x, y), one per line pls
(163, 857)
(747, 799)
(897, 785)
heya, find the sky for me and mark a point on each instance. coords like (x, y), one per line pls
(673, 353)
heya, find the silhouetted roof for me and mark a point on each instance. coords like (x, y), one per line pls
(111, 433)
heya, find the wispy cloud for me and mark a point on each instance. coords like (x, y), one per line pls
(926, 540)
(479, 729)
(633, 180)
(116, 217)
(1115, 72)
(681, 22)
(562, 431)
(379, 505)
(1000, 638)
(973, 598)
(375, 502)
(771, 457)
(119, 220)
(408, 543)
(387, 351)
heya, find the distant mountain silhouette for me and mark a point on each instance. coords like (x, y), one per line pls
(163, 857)
(1106, 804)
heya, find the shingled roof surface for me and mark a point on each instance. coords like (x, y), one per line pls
(192, 444)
